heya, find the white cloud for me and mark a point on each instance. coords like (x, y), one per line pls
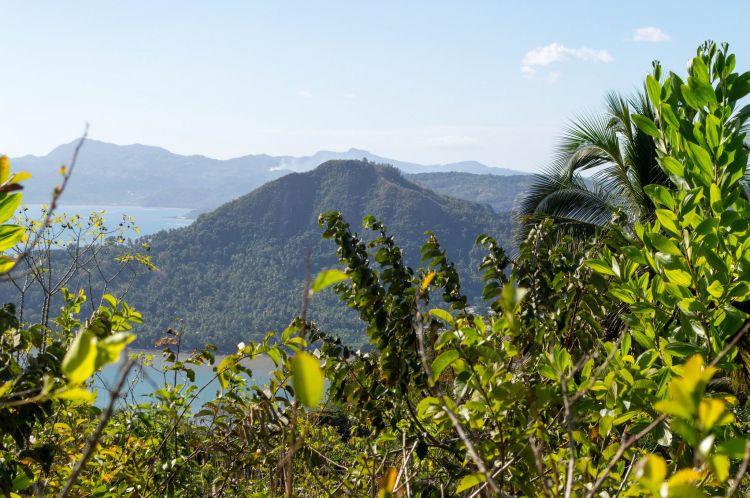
(350, 96)
(304, 94)
(554, 53)
(650, 34)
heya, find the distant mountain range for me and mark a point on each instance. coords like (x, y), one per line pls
(237, 271)
(140, 175)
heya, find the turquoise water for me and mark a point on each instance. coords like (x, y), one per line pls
(146, 378)
(148, 219)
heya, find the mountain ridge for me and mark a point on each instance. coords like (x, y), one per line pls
(149, 176)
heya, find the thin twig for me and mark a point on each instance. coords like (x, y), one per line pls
(740, 472)
(56, 193)
(460, 431)
(104, 419)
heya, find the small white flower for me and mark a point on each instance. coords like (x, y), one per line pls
(241, 346)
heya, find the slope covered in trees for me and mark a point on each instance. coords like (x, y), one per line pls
(238, 271)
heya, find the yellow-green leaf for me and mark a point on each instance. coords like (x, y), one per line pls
(80, 360)
(111, 347)
(4, 169)
(470, 481)
(443, 361)
(75, 394)
(442, 314)
(307, 379)
(427, 281)
(327, 278)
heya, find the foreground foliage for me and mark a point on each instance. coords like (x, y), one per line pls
(605, 367)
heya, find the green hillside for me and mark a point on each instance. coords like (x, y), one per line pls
(238, 271)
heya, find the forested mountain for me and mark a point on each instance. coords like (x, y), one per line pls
(500, 192)
(139, 175)
(238, 271)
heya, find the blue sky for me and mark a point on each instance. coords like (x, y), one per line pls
(426, 81)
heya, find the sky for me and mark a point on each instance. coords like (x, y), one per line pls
(422, 81)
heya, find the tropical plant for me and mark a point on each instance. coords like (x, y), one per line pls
(620, 159)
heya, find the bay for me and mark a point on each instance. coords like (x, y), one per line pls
(148, 376)
(148, 219)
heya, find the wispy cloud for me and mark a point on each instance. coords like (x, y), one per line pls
(350, 96)
(650, 34)
(555, 53)
(304, 94)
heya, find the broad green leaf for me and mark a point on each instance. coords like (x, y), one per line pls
(734, 447)
(74, 394)
(663, 244)
(470, 481)
(720, 466)
(653, 469)
(715, 289)
(307, 379)
(672, 166)
(10, 235)
(327, 278)
(111, 347)
(715, 198)
(443, 361)
(442, 314)
(9, 205)
(701, 158)
(654, 90)
(646, 125)
(80, 361)
(668, 220)
(600, 266)
(710, 413)
(660, 195)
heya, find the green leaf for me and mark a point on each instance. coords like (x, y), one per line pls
(307, 379)
(668, 220)
(74, 394)
(663, 244)
(80, 361)
(111, 347)
(672, 166)
(600, 266)
(441, 314)
(678, 277)
(470, 481)
(734, 447)
(740, 87)
(715, 198)
(8, 206)
(327, 278)
(443, 361)
(701, 157)
(654, 90)
(660, 195)
(646, 125)
(10, 235)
